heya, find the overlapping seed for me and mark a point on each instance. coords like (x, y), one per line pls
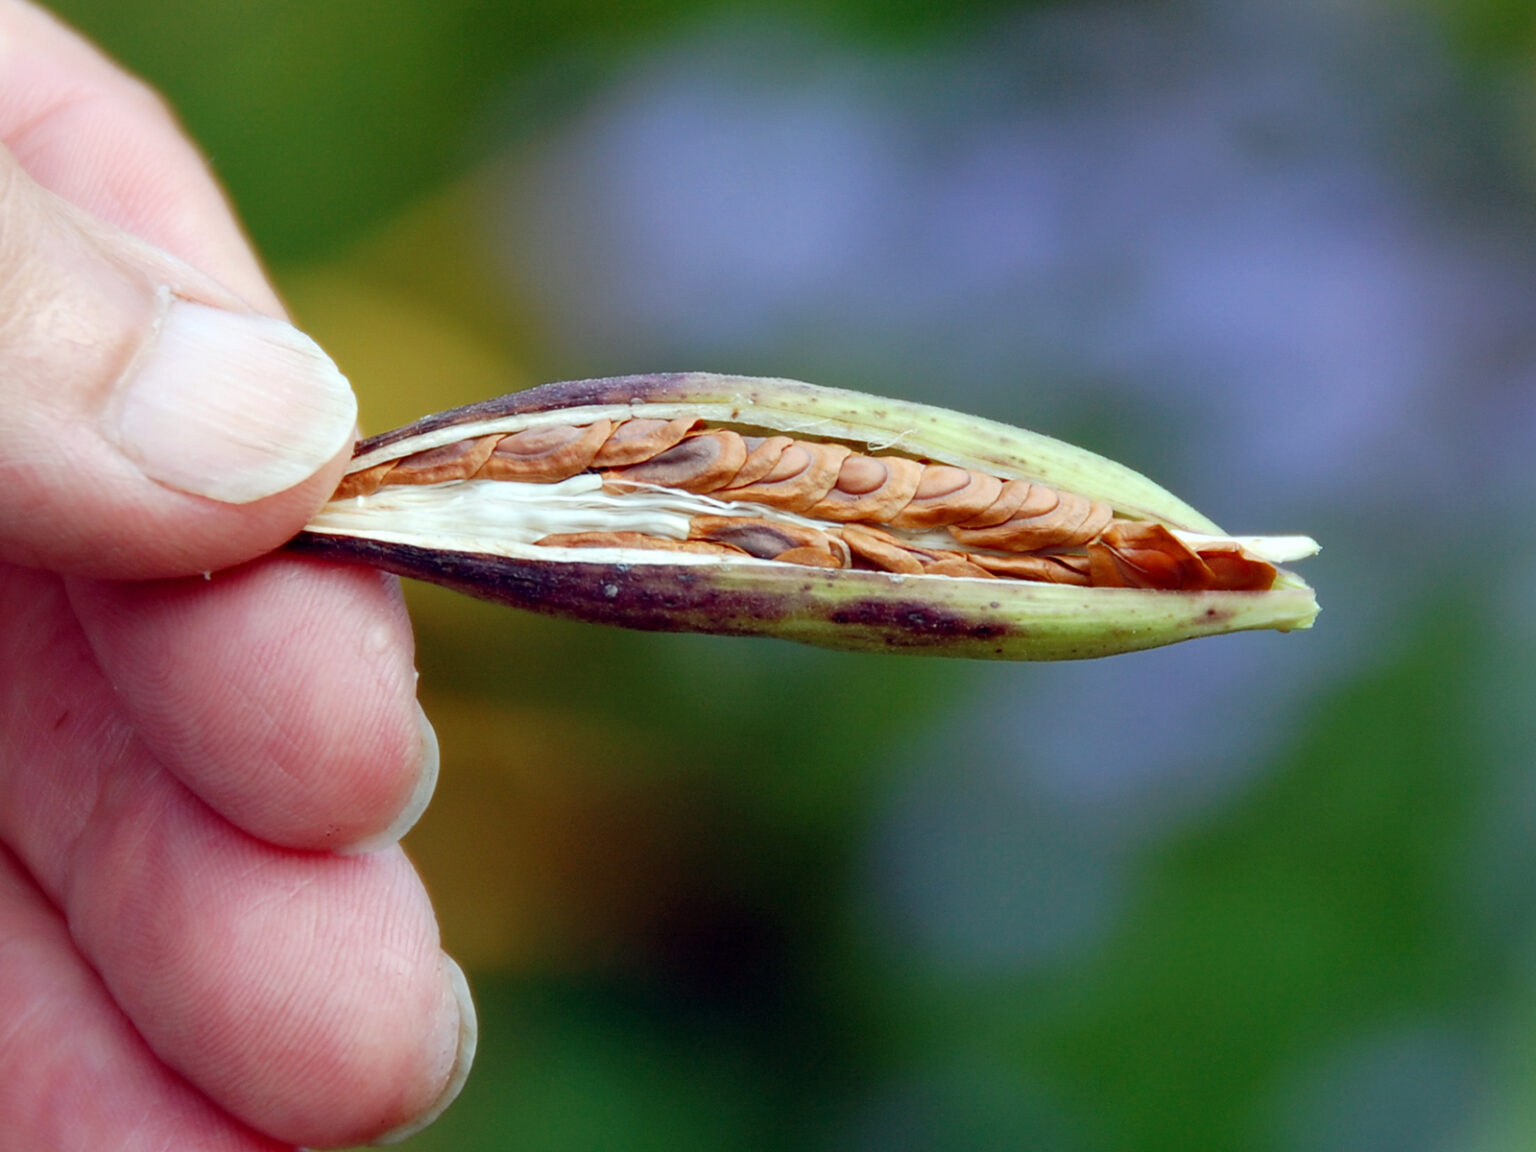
(1009, 529)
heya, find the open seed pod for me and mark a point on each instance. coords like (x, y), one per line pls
(728, 504)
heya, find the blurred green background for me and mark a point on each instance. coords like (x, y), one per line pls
(1268, 892)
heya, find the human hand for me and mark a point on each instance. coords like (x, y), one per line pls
(208, 938)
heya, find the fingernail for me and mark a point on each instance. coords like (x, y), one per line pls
(463, 1058)
(426, 783)
(231, 406)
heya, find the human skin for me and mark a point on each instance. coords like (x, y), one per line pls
(209, 938)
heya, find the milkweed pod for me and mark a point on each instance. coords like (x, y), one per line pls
(743, 506)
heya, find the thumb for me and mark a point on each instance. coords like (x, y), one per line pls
(151, 424)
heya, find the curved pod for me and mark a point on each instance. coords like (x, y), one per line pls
(619, 540)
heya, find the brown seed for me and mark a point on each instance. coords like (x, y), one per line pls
(948, 495)
(1018, 497)
(762, 457)
(701, 462)
(815, 557)
(636, 440)
(1074, 519)
(944, 481)
(547, 454)
(872, 488)
(1096, 517)
(1232, 571)
(759, 538)
(861, 475)
(953, 564)
(634, 540)
(803, 474)
(1136, 554)
(1053, 569)
(363, 483)
(456, 461)
(882, 551)
(1043, 518)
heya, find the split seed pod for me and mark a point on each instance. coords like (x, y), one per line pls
(743, 506)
